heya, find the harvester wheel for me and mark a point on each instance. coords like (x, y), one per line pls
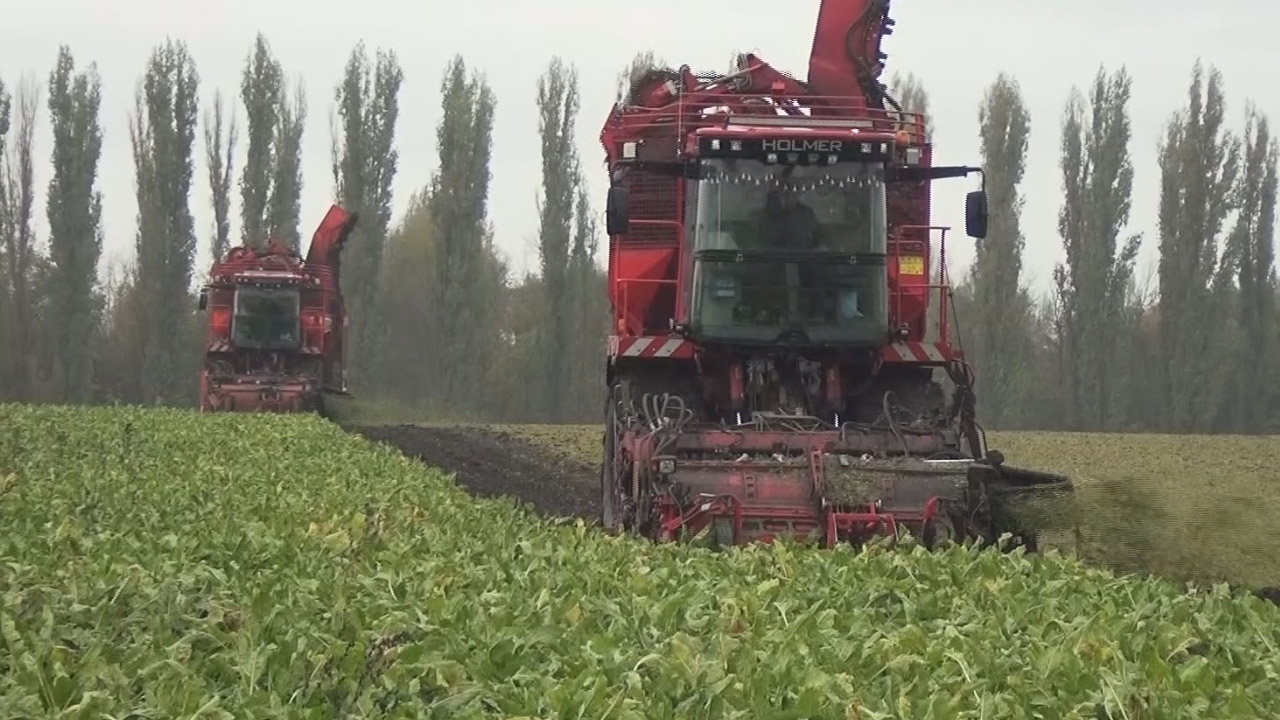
(940, 532)
(721, 533)
(612, 475)
(608, 469)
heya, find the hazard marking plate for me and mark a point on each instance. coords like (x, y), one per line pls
(911, 265)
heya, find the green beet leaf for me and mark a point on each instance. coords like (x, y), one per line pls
(164, 563)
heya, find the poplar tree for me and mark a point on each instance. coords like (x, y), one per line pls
(908, 90)
(74, 211)
(220, 139)
(261, 91)
(466, 290)
(1091, 285)
(558, 102)
(1199, 163)
(286, 177)
(17, 237)
(1001, 304)
(163, 132)
(1253, 390)
(365, 160)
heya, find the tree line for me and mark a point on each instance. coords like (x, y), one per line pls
(442, 325)
(440, 322)
(1103, 350)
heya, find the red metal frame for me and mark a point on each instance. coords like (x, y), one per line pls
(238, 379)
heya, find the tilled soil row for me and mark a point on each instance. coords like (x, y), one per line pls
(490, 463)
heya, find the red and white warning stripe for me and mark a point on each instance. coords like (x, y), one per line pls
(674, 347)
(660, 347)
(919, 352)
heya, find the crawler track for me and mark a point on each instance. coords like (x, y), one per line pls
(491, 463)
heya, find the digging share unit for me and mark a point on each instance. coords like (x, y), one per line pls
(778, 341)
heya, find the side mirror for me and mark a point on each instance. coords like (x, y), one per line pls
(975, 214)
(617, 211)
(204, 300)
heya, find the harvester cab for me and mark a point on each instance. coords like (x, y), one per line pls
(276, 338)
(781, 337)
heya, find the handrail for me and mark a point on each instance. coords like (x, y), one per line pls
(623, 287)
(941, 281)
(693, 110)
(676, 241)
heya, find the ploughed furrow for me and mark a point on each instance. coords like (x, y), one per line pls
(492, 463)
(556, 478)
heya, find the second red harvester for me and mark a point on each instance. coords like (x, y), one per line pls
(277, 331)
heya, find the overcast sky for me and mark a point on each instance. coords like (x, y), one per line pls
(956, 47)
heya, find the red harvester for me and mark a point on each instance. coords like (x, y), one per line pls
(773, 368)
(277, 325)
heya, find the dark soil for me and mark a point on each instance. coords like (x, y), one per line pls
(1270, 594)
(490, 463)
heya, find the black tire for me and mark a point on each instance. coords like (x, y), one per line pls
(608, 472)
(722, 533)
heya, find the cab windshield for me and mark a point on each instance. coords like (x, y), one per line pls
(790, 253)
(748, 205)
(266, 318)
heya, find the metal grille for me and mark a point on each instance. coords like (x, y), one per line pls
(655, 209)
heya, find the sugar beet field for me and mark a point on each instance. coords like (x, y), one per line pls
(162, 564)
